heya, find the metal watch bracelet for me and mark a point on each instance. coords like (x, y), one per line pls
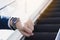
(14, 21)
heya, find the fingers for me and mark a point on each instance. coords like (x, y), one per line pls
(26, 29)
(26, 34)
(30, 24)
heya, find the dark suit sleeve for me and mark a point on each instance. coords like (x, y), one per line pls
(4, 22)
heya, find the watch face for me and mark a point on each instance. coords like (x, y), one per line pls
(14, 20)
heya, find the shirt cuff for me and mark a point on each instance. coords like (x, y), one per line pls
(9, 22)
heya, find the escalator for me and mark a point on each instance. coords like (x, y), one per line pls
(48, 23)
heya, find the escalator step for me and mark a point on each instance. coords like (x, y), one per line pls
(55, 20)
(46, 27)
(51, 15)
(43, 36)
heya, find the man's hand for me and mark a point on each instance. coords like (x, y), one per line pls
(28, 28)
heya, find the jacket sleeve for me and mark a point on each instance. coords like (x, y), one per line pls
(4, 22)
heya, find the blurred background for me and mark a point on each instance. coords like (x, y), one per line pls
(48, 23)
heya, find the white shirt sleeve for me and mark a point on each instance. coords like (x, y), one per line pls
(9, 22)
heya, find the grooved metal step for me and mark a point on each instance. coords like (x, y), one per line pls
(43, 36)
(47, 27)
(53, 11)
(49, 20)
(52, 15)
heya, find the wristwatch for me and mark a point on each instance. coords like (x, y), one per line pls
(14, 21)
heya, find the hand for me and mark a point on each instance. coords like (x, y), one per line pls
(28, 28)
